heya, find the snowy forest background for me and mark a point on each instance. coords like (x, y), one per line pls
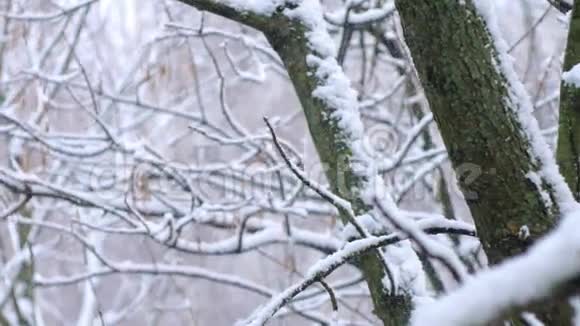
(141, 185)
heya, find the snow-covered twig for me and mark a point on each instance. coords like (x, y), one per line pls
(551, 267)
(326, 266)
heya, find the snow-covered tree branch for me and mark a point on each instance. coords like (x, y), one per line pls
(289, 162)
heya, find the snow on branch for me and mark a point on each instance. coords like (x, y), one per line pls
(572, 77)
(102, 157)
(352, 249)
(344, 16)
(429, 246)
(550, 267)
(519, 100)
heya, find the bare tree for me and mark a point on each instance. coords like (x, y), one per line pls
(281, 157)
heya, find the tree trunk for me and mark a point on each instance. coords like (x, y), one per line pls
(568, 152)
(458, 65)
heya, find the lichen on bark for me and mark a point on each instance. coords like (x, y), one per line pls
(455, 59)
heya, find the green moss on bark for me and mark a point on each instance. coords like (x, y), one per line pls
(455, 60)
(568, 152)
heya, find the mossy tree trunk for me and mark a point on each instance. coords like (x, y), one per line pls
(288, 39)
(456, 61)
(568, 152)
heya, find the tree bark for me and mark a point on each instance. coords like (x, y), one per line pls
(456, 60)
(568, 152)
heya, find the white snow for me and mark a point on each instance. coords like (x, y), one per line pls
(334, 87)
(521, 103)
(554, 261)
(367, 221)
(324, 266)
(537, 180)
(524, 232)
(260, 7)
(337, 93)
(415, 232)
(309, 13)
(572, 76)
